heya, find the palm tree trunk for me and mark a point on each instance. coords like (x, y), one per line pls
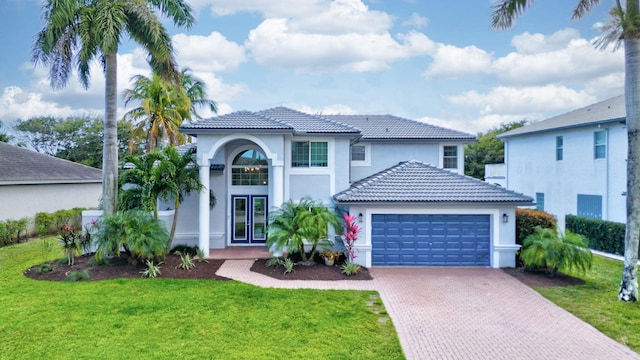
(110, 145)
(629, 284)
(175, 221)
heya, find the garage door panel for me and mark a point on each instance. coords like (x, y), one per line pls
(431, 240)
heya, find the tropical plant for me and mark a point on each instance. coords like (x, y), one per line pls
(186, 261)
(200, 255)
(623, 27)
(164, 105)
(137, 232)
(152, 270)
(274, 262)
(295, 224)
(77, 32)
(288, 265)
(351, 231)
(45, 268)
(350, 268)
(547, 250)
(70, 240)
(330, 256)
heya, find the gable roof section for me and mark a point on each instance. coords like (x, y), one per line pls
(375, 127)
(23, 166)
(239, 120)
(607, 111)
(417, 182)
(305, 123)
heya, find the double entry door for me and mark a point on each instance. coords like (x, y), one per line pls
(248, 219)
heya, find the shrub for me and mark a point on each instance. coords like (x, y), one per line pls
(274, 262)
(186, 261)
(43, 222)
(603, 235)
(80, 275)
(528, 219)
(185, 249)
(141, 235)
(10, 230)
(288, 265)
(547, 250)
(71, 243)
(45, 268)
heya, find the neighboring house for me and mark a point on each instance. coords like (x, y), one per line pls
(574, 163)
(31, 182)
(413, 213)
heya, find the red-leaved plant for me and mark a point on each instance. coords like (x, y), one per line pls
(351, 230)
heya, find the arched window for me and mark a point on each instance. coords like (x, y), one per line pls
(250, 167)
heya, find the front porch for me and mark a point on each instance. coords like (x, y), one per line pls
(240, 253)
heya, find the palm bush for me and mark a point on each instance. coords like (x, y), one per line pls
(548, 250)
(137, 232)
(306, 222)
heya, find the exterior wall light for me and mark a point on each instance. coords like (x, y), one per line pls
(505, 218)
(360, 217)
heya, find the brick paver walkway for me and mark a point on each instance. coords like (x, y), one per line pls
(465, 313)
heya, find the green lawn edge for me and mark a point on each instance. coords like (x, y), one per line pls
(168, 319)
(596, 302)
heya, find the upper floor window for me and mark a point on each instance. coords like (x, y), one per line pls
(450, 157)
(358, 153)
(559, 147)
(250, 167)
(309, 154)
(599, 145)
(539, 201)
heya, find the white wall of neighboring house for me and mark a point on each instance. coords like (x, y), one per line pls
(496, 174)
(532, 169)
(20, 201)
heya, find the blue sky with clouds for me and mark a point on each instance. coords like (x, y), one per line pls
(434, 61)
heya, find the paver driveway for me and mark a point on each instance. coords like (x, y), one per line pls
(466, 313)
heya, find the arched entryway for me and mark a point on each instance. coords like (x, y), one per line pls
(248, 191)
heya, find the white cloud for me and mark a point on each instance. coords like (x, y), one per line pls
(451, 62)
(269, 8)
(343, 16)
(523, 102)
(415, 20)
(16, 103)
(208, 53)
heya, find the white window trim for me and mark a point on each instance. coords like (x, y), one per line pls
(606, 144)
(367, 155)
(460, 153)
(312, 169)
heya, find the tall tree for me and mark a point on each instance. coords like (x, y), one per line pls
(487, 150)
(163, 106)
(74, 138)
(78, 32)
(4, 137)
(624, 26)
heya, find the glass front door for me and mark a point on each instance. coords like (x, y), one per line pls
(249, 219)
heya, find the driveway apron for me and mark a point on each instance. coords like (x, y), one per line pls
(465, 313)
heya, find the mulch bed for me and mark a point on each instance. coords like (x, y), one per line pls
(121, 268)
(118, 268)
(541, 279)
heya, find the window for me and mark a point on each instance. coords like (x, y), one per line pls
(559, 144)
(309, 154)
(599, 144)
(358, 153)
(590, 206)
(539, 201)
(450, 158)
(250, 168)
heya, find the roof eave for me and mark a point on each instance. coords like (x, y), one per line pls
(49, 182)
(405, 202)
(621, 120)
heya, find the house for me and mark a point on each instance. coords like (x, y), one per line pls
(412, 213)
(31, 182)
(574, 163)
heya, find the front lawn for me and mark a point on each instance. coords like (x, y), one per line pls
(596, 302)
(169, 319)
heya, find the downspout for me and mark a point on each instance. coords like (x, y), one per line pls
(606, 179)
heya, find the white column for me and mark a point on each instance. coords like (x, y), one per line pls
(203, 213)
(278, 185)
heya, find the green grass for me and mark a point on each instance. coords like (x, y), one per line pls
(169, 319)
(596, 302)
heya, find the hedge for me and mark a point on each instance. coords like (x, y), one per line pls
(528, 219)
(607, 236)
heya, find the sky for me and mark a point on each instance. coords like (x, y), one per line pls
(433, 61)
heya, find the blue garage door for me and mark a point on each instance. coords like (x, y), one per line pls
(430, 240)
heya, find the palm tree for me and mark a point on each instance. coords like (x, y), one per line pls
(624, 26)
(184, 179)
(164, 105)
(80, 31)
(144, 182)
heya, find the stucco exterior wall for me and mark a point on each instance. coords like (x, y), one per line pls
(532, 168)
(18, 201)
